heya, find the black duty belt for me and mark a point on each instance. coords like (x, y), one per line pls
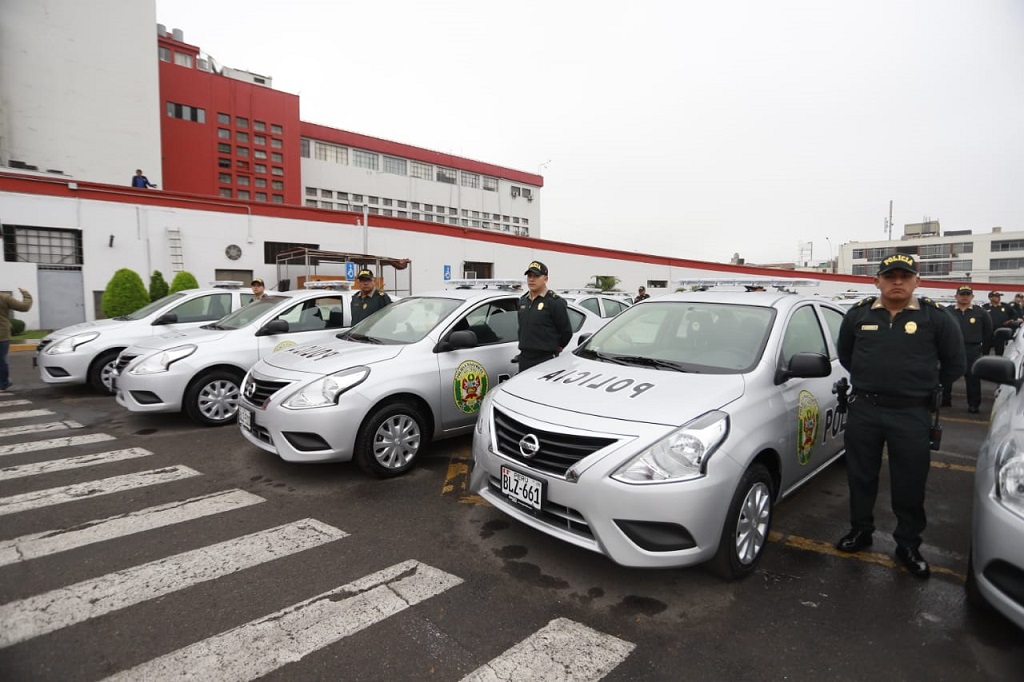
(894, 401)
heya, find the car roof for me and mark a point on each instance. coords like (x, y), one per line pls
(773, 299)
(469, 294)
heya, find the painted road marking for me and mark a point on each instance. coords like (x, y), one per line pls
(37, 428)
(561, 650)
(68, 441)
(23, 470)
(261, 646)
(38, 615)
(14, 403)
(25, 414)
(53, 541)
(91, 489)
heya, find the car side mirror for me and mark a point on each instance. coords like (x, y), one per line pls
(166, 318)
(459, 340)
(998, 370)
(1003, 334)
(804, 366)
(275, 326)
(583, 338)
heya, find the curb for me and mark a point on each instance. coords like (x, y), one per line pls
(23, 346)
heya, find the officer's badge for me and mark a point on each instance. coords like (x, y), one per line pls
(971, 320)
(540, 306)
(910, 327)
(364, 306)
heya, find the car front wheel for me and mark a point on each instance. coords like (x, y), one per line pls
(746, 525)
(390, 440)
(101, 371)
(212, 399)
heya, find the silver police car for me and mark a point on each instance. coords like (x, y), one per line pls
(995, 572)
(666, 439)
(411, 372)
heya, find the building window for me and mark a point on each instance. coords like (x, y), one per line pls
(326, 204)
(276, 129)
(452, 210)
(395, 166)
(225, 192)
(491, 184)
(260, 168)
(388, 212)
(446, 175)
(1006, 264)
(241, 122)
(224, 148)
(260, 182)
(311, 191)
(465, 213)
(515, 221)
(241, 151)
(304, 148)
(331, 152)
(1008, 245)
(276, 184)
(225, 178)
(261, 196)
(424, 171)
(416, 216)
(277, 157)
(243, 194)
(186, 113)
(526, 221)
(241, 137)
(373, 200)
(276, 143)
(516, 191)
(277, 199)
(527, 193)
(401, 203)
(402, 214)
(260, 140)
(259, 125)
(259, 154)
(164, 53)
(182, 59)
(49, 246)
(327, 194)
(453, 221)
(387, 202)
(361, 159)
(224, 133)
(242, 165)
(242, 180)
(312, 203)
(224, 119)
(471, 180)
(224, 163)
(277, 170)
(428, 207)
(374, 211)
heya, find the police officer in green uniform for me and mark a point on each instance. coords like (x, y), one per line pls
(1002, 315)
(899, 350)
(368, 299)
(976, 327)
(544, 327)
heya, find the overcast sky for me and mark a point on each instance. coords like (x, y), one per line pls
(685, 128)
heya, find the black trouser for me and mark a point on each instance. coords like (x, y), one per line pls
(907, 433)
(532, 358)
(973, 383)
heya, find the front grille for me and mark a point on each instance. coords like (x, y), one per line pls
(261, 390)
(43, 344)
(557, 452)
(122, 362)
(557, 515)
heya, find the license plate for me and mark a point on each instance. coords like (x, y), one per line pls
(245, 418)
(521, 488)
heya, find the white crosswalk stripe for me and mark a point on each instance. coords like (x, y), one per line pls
(40, 614)
(23, 470)
(91, 489)
(53, 541)
(24, 414)
(14, 403)
(561, 650)
(66, 442)
(38, 428)
(264, 645)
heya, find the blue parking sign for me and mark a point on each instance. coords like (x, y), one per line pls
(350, 270)
(447, 273)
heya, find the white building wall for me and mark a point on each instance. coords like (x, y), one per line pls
(75, 100)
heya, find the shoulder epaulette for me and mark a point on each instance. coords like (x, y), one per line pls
(870, 300)
(925, 301)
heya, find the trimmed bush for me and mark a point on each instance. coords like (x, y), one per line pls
(125, 293)
(182, 281)
(157, 286)
(17, 327)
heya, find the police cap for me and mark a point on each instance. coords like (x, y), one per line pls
(897, 261)
(964, 289)
(365, 273)
(536, 268)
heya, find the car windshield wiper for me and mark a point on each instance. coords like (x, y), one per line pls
(604, 357)
(362, 338)
(649, 362)
(212, 325)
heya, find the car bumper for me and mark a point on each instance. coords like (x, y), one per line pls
(998, 551)
(66, 368)
(660, 525)
(152, 392)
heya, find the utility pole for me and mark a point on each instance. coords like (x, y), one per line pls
(888, 222)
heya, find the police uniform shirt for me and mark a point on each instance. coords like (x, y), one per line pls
(906, 355)
(975, 324)
(1000, 314)
(364, 306)
(543, 323)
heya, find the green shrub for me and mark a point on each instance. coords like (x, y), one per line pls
(157, 286)
(17, 327)
(125, 293)
(182, 281)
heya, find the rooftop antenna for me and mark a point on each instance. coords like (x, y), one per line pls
(888, 222)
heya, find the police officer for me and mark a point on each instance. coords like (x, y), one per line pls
(898, 349)
(1002, 315)
(259, 289)
(976, 327)
(641, 295)
(368, 299)
(544, 328)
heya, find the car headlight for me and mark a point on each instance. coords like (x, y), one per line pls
(69, 344)
(326, 390)
(483, 415)
(1010, 475)
(161, 361)
(679, 456)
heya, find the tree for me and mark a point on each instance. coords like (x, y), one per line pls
(157, 286)
(182, 281)
(125, 293)
(604, 282)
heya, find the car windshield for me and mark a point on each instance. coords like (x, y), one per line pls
(684, 336)
(146, 311)
(405, 321)
(247, 314)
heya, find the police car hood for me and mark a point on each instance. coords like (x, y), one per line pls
(180, 337)
(94, 326)
(328, 357)
(624, 392)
